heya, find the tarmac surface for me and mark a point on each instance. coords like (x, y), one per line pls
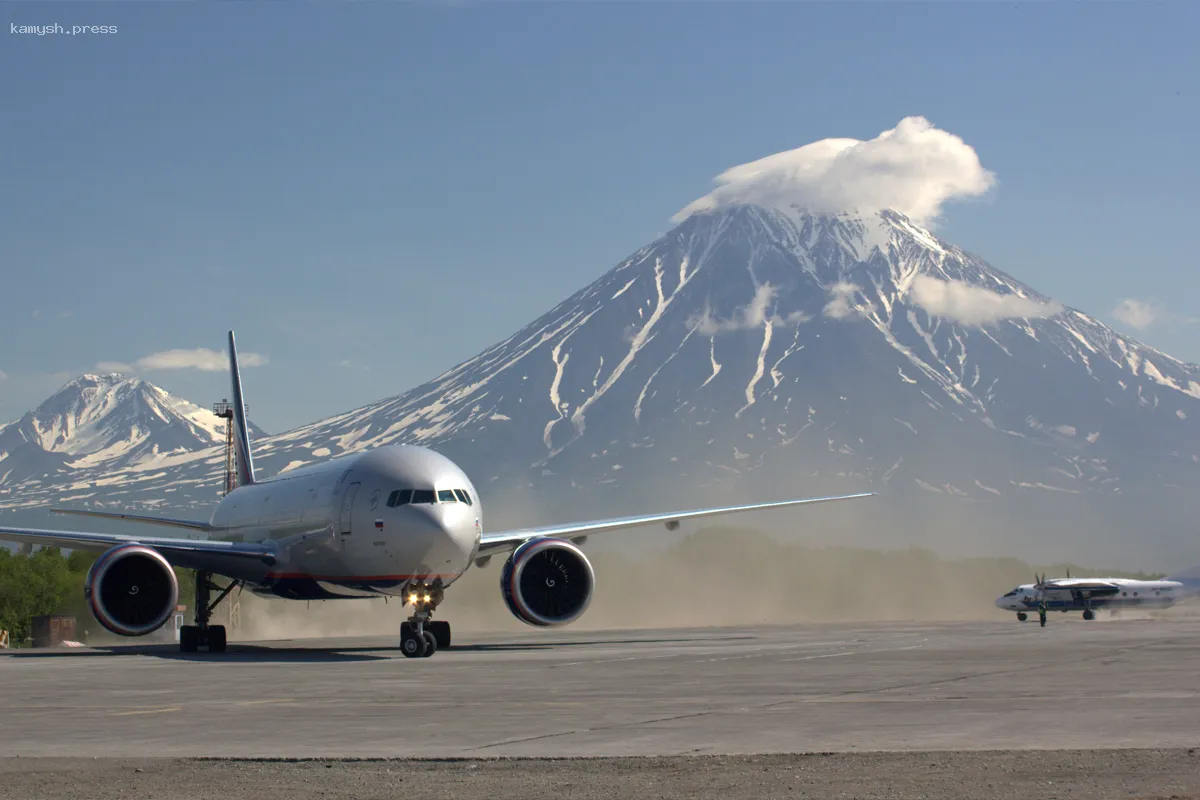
(1040, 775)
(997, 685)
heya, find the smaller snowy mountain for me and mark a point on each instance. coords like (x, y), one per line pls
(103, 423)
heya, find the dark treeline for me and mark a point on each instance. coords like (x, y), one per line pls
(47, 581)
(43, 582)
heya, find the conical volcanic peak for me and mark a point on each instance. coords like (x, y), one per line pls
(104, 422)
(755, 347)
(753, 322)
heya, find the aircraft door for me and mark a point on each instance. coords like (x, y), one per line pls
(345, 525)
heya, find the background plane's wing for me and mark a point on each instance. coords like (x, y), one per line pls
(1093, 587)
(493, 543)
(170, 521)
(231, 559)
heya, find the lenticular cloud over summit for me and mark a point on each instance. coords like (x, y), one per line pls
(913, 168)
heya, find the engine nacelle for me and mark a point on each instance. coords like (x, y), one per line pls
(547, 582)
(131, 590)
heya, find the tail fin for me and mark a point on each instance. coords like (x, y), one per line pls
(1188, 576)
(245, 462)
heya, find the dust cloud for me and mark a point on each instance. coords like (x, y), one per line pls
(843, 562)
(718, 576)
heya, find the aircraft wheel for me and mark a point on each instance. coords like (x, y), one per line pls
(412, 646)
(1087, 614)
(216, 639)
(431, 644)
(1022, 616)
(441, 632)
(189, 639)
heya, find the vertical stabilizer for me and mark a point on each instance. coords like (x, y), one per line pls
(241, 438)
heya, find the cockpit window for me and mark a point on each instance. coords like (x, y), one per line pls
(399, 497)
(446, 496)
(1013, 592)
(462, 496)
(423, 496)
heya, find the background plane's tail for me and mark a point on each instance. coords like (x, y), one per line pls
(241, 440)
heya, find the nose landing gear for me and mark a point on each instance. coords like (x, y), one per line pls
(421, 636)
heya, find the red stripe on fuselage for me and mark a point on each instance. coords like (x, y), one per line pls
(354, 578)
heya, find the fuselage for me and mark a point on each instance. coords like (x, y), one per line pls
(1125, 593)
(359, 525)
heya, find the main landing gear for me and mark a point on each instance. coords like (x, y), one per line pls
(420, 636)
(193, 637)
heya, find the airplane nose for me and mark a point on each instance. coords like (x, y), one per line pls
(451, 536)
(461, 533)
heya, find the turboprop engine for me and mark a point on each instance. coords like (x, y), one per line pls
(547, 582)
(131, 590)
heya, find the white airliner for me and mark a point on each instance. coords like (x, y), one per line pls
(398, 521)
(1092, 594)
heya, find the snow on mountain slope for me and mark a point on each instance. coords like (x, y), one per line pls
(753, 314)
(104, 422)
(764, 349)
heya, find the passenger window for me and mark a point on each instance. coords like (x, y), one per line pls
(423, 496)
(447, 496)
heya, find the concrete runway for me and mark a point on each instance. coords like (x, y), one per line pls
(850, 688)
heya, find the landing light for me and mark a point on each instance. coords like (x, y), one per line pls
(427, 598)
(412, 598)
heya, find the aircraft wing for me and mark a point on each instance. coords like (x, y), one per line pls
(232, 559)
(507, 541)
(1082, 585)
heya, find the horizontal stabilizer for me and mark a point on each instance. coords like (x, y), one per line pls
(174, 523)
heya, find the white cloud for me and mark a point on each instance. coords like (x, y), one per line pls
(974, 305)
(201, 358)
(753, 315)
(114, 366)
(1141, 314)
(841, 305)
(913, 168)
(1138, 313)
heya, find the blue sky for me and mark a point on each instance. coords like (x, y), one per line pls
(370, 193)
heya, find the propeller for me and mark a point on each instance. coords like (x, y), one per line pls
(1039, 585)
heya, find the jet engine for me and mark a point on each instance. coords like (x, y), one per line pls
(547, 582)
(131, 590)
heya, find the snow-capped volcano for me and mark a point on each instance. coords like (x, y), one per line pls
(104, 422)
(767, 352)
(749, 331)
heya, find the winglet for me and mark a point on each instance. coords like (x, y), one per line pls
(245, 461)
